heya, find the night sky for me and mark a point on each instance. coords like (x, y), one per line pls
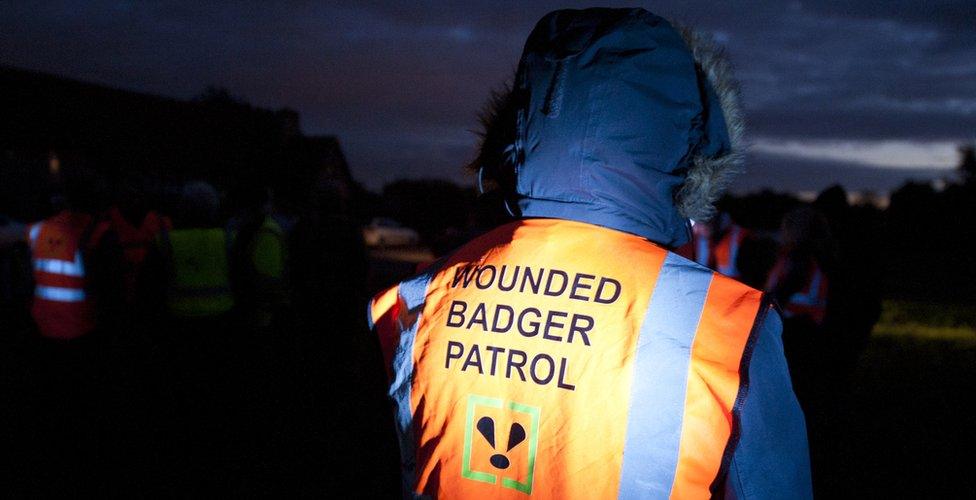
(866, 93)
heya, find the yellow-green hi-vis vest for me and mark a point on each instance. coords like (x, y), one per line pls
(199, 272)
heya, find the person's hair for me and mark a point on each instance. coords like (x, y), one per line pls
(494, 161)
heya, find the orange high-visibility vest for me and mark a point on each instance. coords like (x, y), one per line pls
(811, 300)
(62, 307)
(558, 359)
(135, 243)
(726, 251)
(720, 256)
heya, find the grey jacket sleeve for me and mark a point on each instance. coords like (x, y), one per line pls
(771, 458)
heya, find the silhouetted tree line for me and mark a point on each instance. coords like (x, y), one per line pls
(930, 238)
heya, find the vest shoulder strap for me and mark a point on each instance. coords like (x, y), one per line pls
(394, 315)
(691, 352)
(394, 310)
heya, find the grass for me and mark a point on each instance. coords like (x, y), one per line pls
(903, 426)
(927, 321)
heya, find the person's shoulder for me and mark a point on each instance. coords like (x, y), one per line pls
(772, 320)
(686, 265)
(382, 306)
(771, 458)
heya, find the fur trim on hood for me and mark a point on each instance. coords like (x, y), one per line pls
(709, 177)
(495, 162)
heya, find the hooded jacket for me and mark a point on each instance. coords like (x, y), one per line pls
(618, 119)
(618, 129)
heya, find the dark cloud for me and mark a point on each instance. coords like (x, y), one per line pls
(955, 15)
(401, 82)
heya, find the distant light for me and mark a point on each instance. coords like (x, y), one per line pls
(54, 164)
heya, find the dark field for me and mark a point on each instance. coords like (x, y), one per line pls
(905, 429)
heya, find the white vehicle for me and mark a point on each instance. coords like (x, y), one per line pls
(382, 232)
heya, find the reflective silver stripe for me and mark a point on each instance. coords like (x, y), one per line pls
(63, 267)
(812, 297)
(59, 294)
(661, 371)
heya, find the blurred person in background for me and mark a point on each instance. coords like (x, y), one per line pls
(803, 282)
(337, 389)
(77, 299)
(142, 377)
(800, 281)
(258, 257)
(260, 346)
(194, 260)
(825, 363)
(611, 366)
(138, 227)
(328, 257)
(855, 288)
(74, 255)
(197, 259)
(716, 244)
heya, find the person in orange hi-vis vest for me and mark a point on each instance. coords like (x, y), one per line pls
(570, 353)
(138, 228)
(72, 259)
(725, 252)
(799, 279)
(800, 282)
(716, 245)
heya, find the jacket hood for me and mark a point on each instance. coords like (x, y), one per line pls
(615, 118)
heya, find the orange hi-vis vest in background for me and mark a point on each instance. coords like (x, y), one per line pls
(63, 307)
(559, 359)
(135, 243)
(720, 256)
(811, 300)
(726, 252)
